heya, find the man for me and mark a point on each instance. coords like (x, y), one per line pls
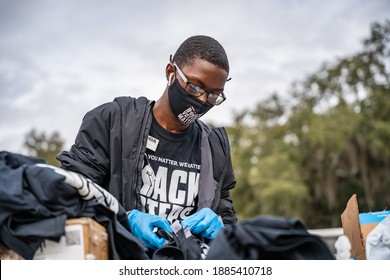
(157, 158)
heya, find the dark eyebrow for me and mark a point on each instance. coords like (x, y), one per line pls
(198, 81)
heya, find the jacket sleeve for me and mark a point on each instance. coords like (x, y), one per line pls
(225, 206)
(89, 155)
(224, 175)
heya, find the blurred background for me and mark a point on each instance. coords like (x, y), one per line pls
(307, 109)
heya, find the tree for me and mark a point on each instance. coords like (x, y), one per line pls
(44, 146)
(306, 155)
(342, 120)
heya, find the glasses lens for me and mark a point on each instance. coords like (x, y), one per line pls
(216, 99)
(194, 90)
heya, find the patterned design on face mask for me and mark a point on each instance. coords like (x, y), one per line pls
(188, 116)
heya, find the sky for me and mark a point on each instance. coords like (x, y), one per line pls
(60, 59)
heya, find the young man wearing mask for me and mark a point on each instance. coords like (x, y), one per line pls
(156, 157)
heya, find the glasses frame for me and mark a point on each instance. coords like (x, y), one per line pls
(216, 99)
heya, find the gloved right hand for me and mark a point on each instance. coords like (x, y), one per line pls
(204, 222)
(142, 225)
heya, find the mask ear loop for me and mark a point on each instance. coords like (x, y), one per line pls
(171, 75)
(170, 79)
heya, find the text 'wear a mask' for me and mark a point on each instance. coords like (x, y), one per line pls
(186, 108)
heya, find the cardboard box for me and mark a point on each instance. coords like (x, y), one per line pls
(84, 239)
(357, 226)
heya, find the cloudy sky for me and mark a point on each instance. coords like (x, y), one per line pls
(59, 59)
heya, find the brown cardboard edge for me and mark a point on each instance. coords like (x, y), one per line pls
(91, 228)
(351, 227)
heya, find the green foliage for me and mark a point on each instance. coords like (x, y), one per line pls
(39, 144)
(306, 156)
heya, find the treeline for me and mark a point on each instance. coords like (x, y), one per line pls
(305, 155)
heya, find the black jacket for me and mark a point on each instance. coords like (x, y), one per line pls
(110, 145)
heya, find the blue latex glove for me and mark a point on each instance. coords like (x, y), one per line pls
(142, 225)
(204, 222)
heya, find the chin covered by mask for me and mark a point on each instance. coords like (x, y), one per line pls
(185, 107)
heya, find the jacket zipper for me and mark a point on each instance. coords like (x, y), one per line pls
(137, 166)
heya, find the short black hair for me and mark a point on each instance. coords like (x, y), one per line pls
(203, 47)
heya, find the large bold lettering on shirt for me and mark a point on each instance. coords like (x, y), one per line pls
(171, 195)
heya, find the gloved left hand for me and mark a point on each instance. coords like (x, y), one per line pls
(204, 222)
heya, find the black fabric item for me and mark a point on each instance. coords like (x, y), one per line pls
(180, 247)
(15, 160)
(35, 203)
(268, 238)
(168, 252)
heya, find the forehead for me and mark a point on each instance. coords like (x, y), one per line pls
(205, 72)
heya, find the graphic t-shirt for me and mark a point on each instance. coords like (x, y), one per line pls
(171, 172)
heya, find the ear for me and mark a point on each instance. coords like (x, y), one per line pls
(169, 72)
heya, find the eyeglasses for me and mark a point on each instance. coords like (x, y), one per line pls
(194, 90)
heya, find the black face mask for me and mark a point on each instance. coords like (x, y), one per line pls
(185, 107)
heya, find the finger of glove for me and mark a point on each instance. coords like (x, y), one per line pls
(200, 227)
(210, 236)
(163, 224)
(154, 242)
(209, 223)
(192, 220)
(211, 232)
